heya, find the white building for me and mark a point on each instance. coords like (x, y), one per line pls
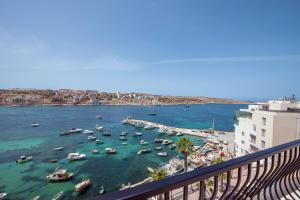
(266, 125)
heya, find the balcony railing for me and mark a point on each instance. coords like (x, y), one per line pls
(272, 173)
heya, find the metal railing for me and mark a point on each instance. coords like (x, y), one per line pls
(272, 173)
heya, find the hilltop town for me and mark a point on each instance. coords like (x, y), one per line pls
(93, 97)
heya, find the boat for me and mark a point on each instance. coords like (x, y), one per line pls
(187, 105)
(98, 117)
(170, 132)
(123, 133)
(83, 185)
(76, 156)
(106, 133)
(143, 142)
(34, 198)
(138, 134)
(162, 154)
(58, 149)
(80, 141)
(166, 142)
(151, 112)
(99, 128)
(124, 143)
(158, 148)
(54, 160)
(99, 141)
(34, 125)
(91, 138)
(158, 140)
(73, 130)
(60, 175)
(88, 131)
(179, 134)
(144, 151)
(110, 150)
(101, 191)
(58, 195)
(123, 138)
(149, 127)
(24, 159)
(139, 125)
(3, 195)
(95, 151)
(125, 121)
(172, 146)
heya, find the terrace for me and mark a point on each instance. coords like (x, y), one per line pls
(272, 173)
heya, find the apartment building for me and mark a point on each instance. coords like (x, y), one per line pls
(265, 125)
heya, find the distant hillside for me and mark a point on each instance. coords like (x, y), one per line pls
(93, 97)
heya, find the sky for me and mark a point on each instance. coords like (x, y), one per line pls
(228, 49)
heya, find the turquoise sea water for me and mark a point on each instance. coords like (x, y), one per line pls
(17, 137)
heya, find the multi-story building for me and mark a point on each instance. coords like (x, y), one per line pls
(265, 125)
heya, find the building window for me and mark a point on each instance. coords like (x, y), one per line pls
(263, 144)
(264, 121)
(252, 139)
(242, 150)
(263, 132)
(243, 142)
(254, 127)
(243, 133)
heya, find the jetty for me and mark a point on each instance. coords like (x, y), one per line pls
(188, 131)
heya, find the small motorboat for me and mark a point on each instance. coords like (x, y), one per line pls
(124, 138)
(60, 175)
(123, 133)
(151, 113)
(99, 141)
(76, 156)
(88, 132)
(158, 140)
(99, 128)
(58, 195)
(58, 149)
(158, 148)
(3, 195)
(110, 150)
(74, 130)
(162, 154)
(83, 185)
(143, 142)
(149, 127)
(124, 143)
(101, 191)
(106, 133)
(138, 134)
(98, 117)
(179, 134)
(54, 160)
(143, 151)
(95, 151)
(91, 137)
(24, 159)
(166, 142)
(172, 146)
(34, 125)
(35, 198)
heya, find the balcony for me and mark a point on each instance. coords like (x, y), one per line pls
(272, 173)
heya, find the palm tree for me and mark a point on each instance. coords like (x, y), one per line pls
(158, 174)
(184, 146)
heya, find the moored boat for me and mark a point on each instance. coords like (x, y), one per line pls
(143, 142)
(95, 151)
(98, 117)
(99, 141)
(101, 191)
(74, 130)
(58, 149)
(83, 185)
(58, 195)
(76, 156)
(179, 134)
(149, 127)
(99, 128)
(34, 125)
(88, 131)
(162, 154)
(158, 148)
(172, 146)
(144, 151)
(91, 138)
(24, 159)
(123, 138)
(123, 133)
(166, 142)
(54, 160)
(158, 140)
(138, 134)
(106, 133)
(124, 143)
(60, 175)
(35, 198)
(3, 195)
(110, 150)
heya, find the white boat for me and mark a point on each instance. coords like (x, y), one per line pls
(179, 134)
(99, 141)
(143, 142)
(98, 117)
(60, 175)
(91, 138)
(95, 151)
(158, 140)
(149, 127)
(3, 196)
(123, 138)
(24, 159)
(58, 195)
(99, 128)
(138, 134)
(58, 149)
(106, 133)
(88, 132)
(158, 148)
(34, 125)
(123, 133)
(144, 151)
(166, 142)
(83, 185)
(170, 132)
(125, 121)
(35, 198)
(172, 146)
(76, 156)
(110, 150)
(163, 154)
(124, 143)
(101, 191)
(73, 130)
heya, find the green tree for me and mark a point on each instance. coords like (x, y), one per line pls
(222, 176)
(158, 174)
(185, 147)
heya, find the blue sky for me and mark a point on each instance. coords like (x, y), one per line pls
(232, 49)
